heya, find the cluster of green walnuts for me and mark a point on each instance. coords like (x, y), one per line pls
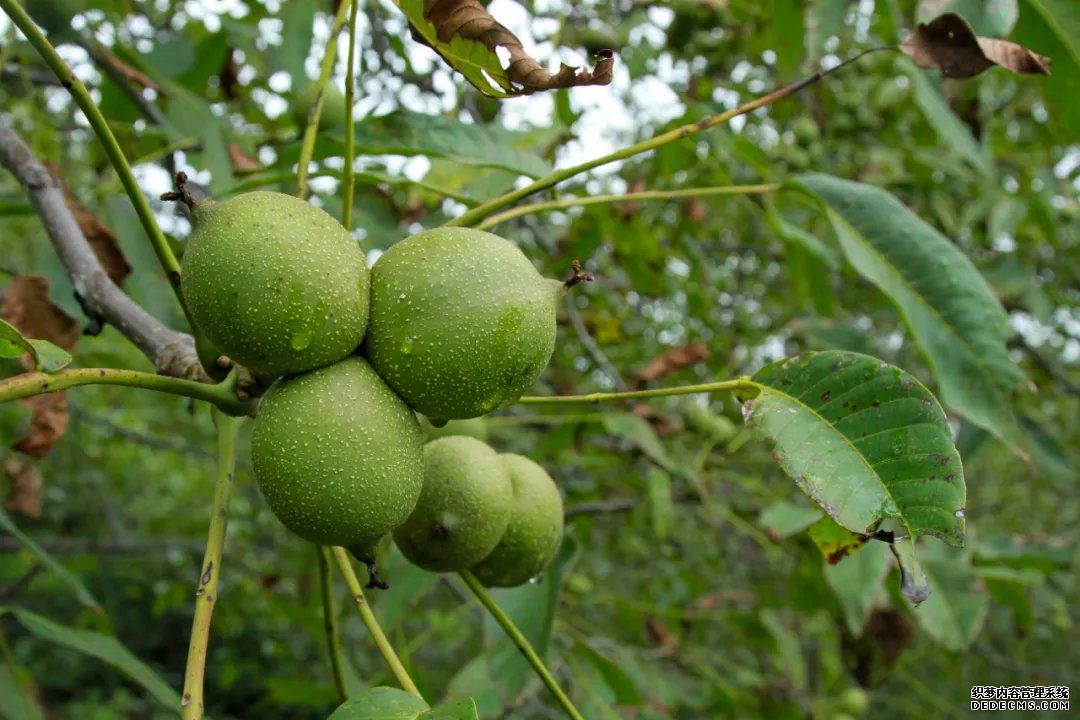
(451, 323)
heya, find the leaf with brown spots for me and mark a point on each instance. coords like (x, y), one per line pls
(26, 484)
(101, 238)
(950, 45)
(490, 56)
(671, 362)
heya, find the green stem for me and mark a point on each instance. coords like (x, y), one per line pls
(736, 384)
(108, 141)
(333, 637)
(559, 419)
(480, 212)
(372, 624)
(628, 197)
(349, 188)
(222, 395)
(206, 595)
(311, 128)
(520, 641)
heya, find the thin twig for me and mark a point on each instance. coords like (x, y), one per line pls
(570, 202)
(172, 352)
(521, 642)
(108, 141)
(348, 189)
(330, 623)
(590, 345)
(311, 127)
(191, 701)
(474, 216)
(222, 395)
(736, 384)
(107, 62)
(372, 624)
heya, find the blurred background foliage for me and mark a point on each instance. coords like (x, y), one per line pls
(686, 587)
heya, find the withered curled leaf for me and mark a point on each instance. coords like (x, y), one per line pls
(491, 57)
(948, 44)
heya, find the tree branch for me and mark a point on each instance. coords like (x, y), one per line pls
(172, 352)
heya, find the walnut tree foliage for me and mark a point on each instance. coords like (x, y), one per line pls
(896, 295)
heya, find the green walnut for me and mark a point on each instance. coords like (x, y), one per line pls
(276, 284)
(333, 109)
(461, 322)
(535, 529)
(464, 507)
(337, 455)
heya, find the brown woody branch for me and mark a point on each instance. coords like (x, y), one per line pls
(172, 352)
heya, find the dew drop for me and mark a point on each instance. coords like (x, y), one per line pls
(407, 345)
(301, 339)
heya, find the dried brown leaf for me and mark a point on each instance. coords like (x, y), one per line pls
(241, 162)
(470, 20)
(948, 44)
(47, 424)
(672, 361)
(26, 486)
(26, 305)
(101, 239)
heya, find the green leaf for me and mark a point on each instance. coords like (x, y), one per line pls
(103, 647)
(386, 703)
(532, 608)
(948, 306)
(615, 677)
(16, 699)
(864, 440)
(787, 27)
(795, 235)
(84, 596)
(954, 133)
(660, 506)
(638, 431)
(409, 133)
(824, 19)
(460, 710)
(789, 656)
(1052, 27)
(857, 582)
(956, 610)
(298, 17)
(47, 357)
(381, 703)
(783, 519)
